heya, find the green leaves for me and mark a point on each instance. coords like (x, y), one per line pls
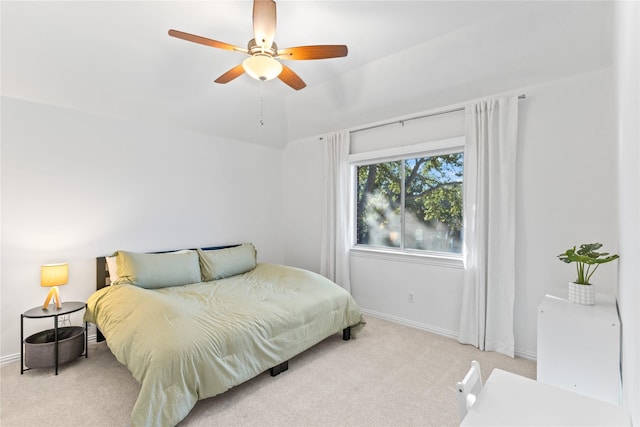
(425, 192)
(587, 260)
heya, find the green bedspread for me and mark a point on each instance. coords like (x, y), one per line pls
(191, 342)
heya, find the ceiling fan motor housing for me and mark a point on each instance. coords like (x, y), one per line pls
(254, 49)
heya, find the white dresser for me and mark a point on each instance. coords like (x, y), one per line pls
(579, 346)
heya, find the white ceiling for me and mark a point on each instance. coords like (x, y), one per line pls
(114, 58)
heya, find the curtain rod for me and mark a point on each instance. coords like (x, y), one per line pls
(415, 118)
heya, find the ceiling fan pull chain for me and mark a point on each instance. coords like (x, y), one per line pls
(261, 102)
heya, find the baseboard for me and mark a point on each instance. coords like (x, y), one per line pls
(10, 358)
(411, 323)
(525, 354)
(439, 331)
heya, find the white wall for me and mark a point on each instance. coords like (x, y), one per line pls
(303, 177)
(471, 62)
(566, 130)
(566, 188)
(628, 126)
(77, 186)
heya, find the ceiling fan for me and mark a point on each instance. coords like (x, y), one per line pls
(263, 63)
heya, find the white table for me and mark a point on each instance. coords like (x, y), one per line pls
(512, 400)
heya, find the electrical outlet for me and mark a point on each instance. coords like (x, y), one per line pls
(410, 297)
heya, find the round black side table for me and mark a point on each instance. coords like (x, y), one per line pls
(52, 311)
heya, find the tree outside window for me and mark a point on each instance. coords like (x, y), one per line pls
(413, 203)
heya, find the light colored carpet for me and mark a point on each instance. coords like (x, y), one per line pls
(391, 375)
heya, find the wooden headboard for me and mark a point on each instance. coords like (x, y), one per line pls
(102, 273)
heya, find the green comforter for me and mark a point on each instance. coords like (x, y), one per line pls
(191, 342)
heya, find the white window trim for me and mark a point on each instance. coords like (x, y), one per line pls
(425, 149)
(441, 259)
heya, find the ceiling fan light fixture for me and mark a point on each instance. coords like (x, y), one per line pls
(262, 67)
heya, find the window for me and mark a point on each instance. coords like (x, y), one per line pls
(412, 203)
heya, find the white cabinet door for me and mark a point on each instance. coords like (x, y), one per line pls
(579, 346)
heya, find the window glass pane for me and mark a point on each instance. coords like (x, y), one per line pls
(379, 204)
(433, 203)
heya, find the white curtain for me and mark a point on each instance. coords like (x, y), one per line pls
(489, 225)
(336, 224)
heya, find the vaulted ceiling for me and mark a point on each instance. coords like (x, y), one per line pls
(115, 59)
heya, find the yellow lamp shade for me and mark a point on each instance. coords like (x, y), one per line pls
(54, 274)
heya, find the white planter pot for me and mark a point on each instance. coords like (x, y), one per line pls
(582, 294)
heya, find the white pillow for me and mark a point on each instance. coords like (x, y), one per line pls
(112, 266)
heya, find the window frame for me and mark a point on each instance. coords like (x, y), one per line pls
(424, 149)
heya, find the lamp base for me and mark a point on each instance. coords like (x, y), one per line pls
(55, 294)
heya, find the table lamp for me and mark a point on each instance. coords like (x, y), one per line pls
(52, 276)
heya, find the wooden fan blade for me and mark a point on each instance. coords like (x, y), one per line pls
(313, 52)
(292, 79)
(230, 75)
(264, 22)
(205, 41)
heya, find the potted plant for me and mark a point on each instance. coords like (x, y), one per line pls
(587, 261)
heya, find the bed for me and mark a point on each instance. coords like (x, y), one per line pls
(231, 320)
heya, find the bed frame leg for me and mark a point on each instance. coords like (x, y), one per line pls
(346, 333)
(99, 336)
(276, 370)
